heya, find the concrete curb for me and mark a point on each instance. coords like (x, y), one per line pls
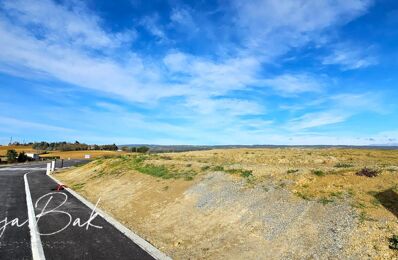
(145, 245)
(35, 241)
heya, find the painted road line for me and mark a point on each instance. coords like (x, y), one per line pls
(145, 245)
(35, 241)
(22, 169)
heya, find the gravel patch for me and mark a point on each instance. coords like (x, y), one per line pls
(289, 227)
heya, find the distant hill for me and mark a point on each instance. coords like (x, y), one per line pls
(386, 145)
(185, 148)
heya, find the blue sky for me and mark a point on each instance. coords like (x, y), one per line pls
(199, 72)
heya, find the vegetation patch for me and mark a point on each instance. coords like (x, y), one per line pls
(319, 173)
(303, 195)
(154, 170)
(363, 216)
(337, 194)
(243, 173)
(325, 201)
(218, 168)
(205, 168)
(143, 163)
(394, 242)
(343, 165)
(368, 172)
(78, 186)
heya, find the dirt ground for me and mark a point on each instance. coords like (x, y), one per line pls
(251, 203)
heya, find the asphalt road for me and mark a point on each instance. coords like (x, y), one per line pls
(65, 232)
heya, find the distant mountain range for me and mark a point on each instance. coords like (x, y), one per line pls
(184, 148)
(386, 145)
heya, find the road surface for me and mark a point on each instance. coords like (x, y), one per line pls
(79, 239)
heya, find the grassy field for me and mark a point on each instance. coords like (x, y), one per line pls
(19, 148)
(187, 203)
(61, 154)
(80, 154)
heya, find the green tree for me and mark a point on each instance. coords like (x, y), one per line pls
(22, 157)
(125, 148)
(142, 149)
(12, 156)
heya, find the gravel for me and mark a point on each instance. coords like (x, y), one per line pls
(289, 227)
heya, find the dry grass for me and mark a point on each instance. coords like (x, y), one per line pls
(61, 154)
(19, 148)
(80, 154)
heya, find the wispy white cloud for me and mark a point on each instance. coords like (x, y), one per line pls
(151, 24)
(225, 106)
(272, 26)
(182, 16)
(71, 25)
(317, 119)
(336, 109)
(13, 125)
(351, 57)
(290, 84)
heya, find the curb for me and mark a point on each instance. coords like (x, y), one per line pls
(145, 245)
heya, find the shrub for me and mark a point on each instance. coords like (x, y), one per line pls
(241, 172)
(22, 157)
(318, 173)
(302, 195)
(154, 170)
(205, 168)
(343, 165)
(142, 149)
(368, 172)
(218, 168)
(246, 174)
(325, 201)
(394, 242)
(292, 171)
(12, 156)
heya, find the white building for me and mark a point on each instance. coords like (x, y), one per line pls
(34, 156)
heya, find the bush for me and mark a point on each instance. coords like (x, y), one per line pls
(343, 165)
(368, 172)
(394, 242)
(218, 168)
(12, 156)
(22, 157)
(142, 149)
(318, 173)
(246, 174)
(241, 172)
(156, 171)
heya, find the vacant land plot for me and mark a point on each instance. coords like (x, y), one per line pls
(61, 154)
(18, 148)
(252, 203)
(80, 154)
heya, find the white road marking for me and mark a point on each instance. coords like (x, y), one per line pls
(22, 169)
(145, 245)
(37, 247)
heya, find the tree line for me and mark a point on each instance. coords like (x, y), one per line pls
(76, 146)
(13, 156)
(139, 149)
